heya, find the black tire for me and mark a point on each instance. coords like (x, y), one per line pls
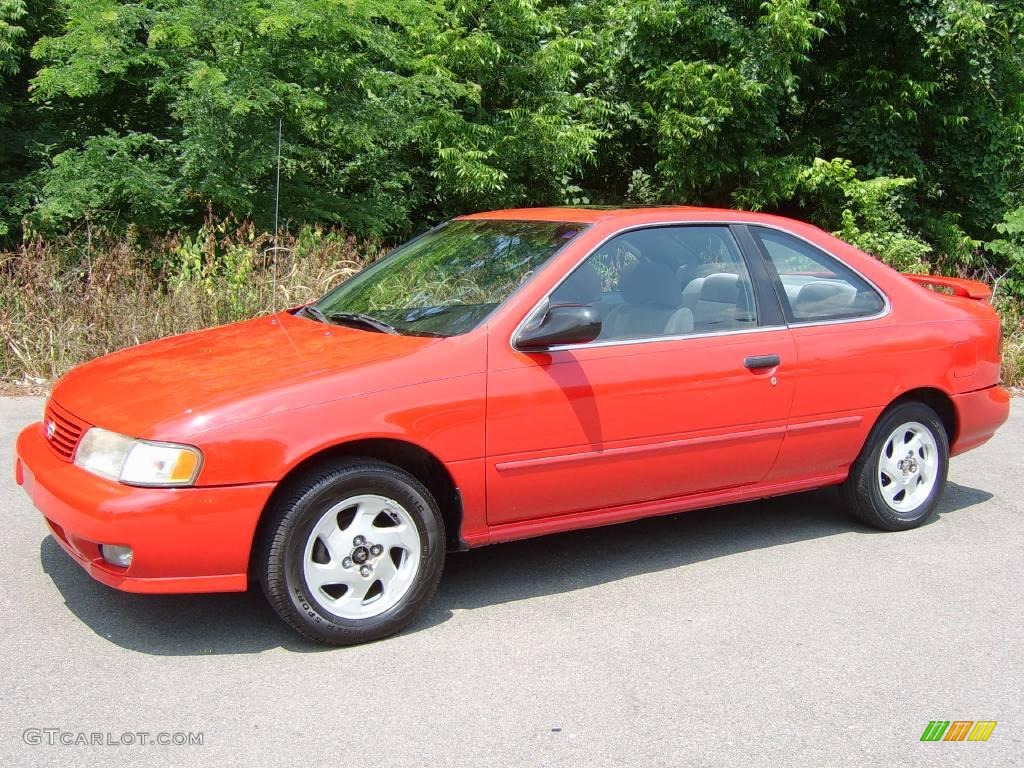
(291, 518)
(862, 490)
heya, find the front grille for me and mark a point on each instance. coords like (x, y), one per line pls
(63, 430)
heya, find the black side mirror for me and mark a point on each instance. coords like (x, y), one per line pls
(561, 324)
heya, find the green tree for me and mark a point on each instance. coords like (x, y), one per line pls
(21, 123)
(897, 123)
(186, 96)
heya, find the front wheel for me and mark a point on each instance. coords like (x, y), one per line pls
(896, 482)
(352, 554)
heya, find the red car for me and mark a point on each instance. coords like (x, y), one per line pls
(506, 375)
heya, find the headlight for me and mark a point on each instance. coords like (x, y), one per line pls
(137, 462)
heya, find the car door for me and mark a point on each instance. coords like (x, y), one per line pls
(838, 320)
(686, 390)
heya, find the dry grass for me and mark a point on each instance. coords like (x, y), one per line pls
(1012, 314)
(65, 301)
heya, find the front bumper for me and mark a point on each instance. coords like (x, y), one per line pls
(183, 539)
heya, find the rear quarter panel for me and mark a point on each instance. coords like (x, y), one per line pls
(851, 371)
(947, 342)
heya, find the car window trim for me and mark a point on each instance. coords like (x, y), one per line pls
(644, 339)
(791, 321)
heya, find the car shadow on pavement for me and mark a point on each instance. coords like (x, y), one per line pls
(564, 562)
(239, 623)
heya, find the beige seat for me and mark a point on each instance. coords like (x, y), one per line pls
(651, 298)
(716, 306)
(691, 293)
(823, 298)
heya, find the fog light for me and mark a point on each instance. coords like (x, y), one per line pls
(116, 555)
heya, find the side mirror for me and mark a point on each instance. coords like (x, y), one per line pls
(561, 324)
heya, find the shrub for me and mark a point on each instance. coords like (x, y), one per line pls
(67, 300)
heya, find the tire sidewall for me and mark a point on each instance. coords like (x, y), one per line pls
(311, 507)
(903, 414)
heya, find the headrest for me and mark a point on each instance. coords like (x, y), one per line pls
(648, 283)
(813, 292)
(692, 290)
(720, 287)
(581, 287)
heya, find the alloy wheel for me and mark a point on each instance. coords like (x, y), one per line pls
(361, 557)
(908, 466)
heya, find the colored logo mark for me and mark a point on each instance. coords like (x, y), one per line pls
(958, 730)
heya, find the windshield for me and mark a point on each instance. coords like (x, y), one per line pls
(447, 281)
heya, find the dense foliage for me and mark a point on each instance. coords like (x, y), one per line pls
(898, 123)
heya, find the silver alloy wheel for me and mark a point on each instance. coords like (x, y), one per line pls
(362, 556)
(908, 466)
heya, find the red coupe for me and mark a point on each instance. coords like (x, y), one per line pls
(506, 375)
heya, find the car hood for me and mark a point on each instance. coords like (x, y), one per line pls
(233, 370)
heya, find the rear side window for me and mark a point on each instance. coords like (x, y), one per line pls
(814, 286)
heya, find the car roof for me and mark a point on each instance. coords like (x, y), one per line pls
(590, 215)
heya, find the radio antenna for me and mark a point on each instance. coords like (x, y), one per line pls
(277, 202)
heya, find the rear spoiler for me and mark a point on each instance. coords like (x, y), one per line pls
(969, 289)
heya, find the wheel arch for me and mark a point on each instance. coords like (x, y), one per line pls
(936, 399)
(414, 459)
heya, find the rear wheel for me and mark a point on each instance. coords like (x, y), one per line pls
(896, 482)
(352, 554)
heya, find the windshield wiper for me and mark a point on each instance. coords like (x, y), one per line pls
(358, 318)
(314, 312)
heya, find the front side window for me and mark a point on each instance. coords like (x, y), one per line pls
(664, 281)
(450, 279)
(812, 285)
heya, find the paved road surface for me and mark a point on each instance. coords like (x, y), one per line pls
(774, 633)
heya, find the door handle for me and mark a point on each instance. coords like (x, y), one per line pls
(758, 362)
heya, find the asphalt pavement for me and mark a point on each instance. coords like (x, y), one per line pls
(774, 633)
